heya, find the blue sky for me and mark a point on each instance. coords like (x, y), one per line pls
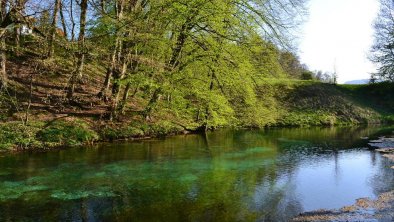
(339, 33)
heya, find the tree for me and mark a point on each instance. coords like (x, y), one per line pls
(199, 58)
(307, 75)
(53, 28)
(3, 73)
(77, 75)
(291, 64)
(383, 47)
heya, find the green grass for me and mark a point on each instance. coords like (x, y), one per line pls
(40, 135)
(67, 132)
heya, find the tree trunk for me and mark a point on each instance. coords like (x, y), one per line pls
(120, 64)
(103, 94)
(19, 10)
(63, 20)
(53, 29)
(102, 6)
(125, 97)
(17, 40)
(72, 21)
(76, 76)
(152, 103)
(3, 73)
(116, 88)
(173, 63)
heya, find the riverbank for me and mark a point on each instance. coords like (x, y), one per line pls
(54, 121)
(70, 132)
(365, 209)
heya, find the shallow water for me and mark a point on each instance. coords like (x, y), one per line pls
(228, 175)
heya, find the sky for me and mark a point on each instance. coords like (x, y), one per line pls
(338, 35)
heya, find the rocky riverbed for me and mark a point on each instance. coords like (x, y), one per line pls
(365, 209)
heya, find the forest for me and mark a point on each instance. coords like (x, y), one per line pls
(79, 71)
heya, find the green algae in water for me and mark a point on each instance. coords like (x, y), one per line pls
(14, 190)
(80, 194)
(247, 152)
(5, 173)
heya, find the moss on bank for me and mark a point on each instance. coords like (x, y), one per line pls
(69, 132)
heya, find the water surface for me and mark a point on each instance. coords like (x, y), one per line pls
(228, 175)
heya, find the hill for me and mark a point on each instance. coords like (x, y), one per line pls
(358, 82)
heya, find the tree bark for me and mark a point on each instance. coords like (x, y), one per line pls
(3, 59)
(119, 75)
(125, 97)
(72, 21)
(76, 76)
(103, 94)
(3, 73)
(63, 20)
(152, 103)
(18, 12)
(53, 29)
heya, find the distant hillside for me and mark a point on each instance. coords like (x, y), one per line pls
(358, 82)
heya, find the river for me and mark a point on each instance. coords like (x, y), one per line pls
(227, 175)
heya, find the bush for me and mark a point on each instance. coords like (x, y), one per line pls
(17, 135)
(67, 132)
(114, 133)
(163, 128)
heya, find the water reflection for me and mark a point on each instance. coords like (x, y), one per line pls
(260, 175)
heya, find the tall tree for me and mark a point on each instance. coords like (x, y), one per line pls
(383, 48)
(78, 74)
(53, 28)
(3, 16)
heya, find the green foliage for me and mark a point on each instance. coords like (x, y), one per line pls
(122, 132)
(307, 75)
(163, 128)
(67, 132)
(388, 119)
(17, 135)
(311, 118)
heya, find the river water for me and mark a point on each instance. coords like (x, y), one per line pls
(227, 175)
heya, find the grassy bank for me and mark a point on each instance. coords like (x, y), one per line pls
(278, 103)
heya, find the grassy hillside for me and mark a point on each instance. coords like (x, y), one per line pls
(327, 104)
(37, 92)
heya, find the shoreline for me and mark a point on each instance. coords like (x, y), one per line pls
(152, 133)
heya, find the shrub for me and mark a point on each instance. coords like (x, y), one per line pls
(163, 128)
(67, 132)
(17, 135)
(114, 133)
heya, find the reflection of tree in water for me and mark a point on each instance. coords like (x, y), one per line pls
(383, 180)
(276, 199)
